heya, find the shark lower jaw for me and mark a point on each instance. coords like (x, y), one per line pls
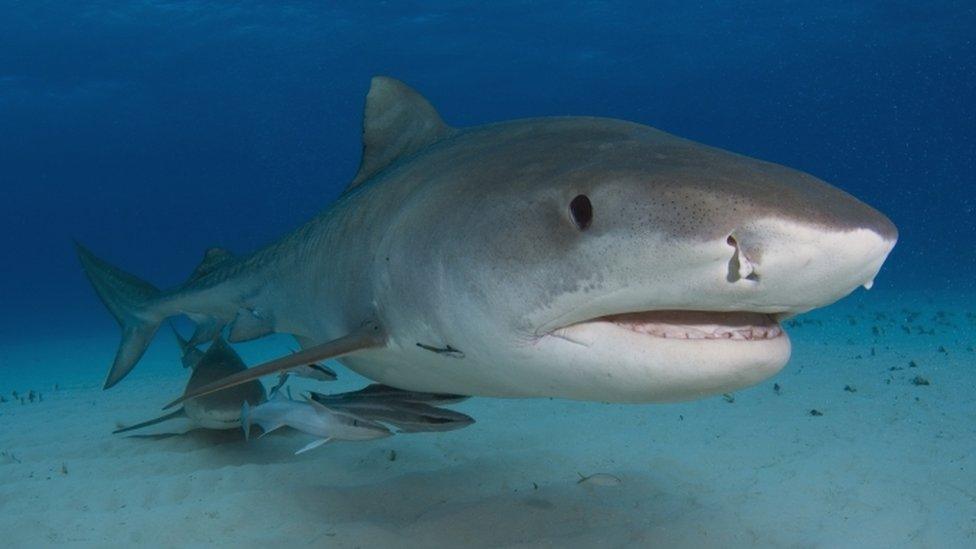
(697, 326)
(666, 355)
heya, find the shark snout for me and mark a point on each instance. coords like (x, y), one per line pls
(879, 224)
(845, 214)
(789, 266)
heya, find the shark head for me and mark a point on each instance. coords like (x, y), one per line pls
(599, 259)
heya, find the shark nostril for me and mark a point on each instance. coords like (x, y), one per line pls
(739, 265)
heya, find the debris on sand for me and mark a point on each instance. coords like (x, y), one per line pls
(599, 479)
(919, 380)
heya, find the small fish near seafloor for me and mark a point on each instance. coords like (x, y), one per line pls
(311, 418)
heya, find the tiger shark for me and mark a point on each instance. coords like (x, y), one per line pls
(573, 257)
(215, 411)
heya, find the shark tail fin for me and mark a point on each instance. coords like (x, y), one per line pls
(132, 302)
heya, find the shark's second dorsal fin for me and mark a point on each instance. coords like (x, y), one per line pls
(188, 351)
(212, 259)
(398, 122)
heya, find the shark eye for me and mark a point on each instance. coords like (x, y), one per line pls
(581, 211)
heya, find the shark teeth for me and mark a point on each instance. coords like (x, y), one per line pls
(743, 326)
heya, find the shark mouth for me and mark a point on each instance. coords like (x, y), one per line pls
(693, 325)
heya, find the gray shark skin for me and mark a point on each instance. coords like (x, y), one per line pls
(221, 410)
(573, 257)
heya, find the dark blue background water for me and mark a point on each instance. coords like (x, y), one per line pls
(151, 130)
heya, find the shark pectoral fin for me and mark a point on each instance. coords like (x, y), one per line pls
(368, 336)
(250, 324)
(312, 445)
(172, 415)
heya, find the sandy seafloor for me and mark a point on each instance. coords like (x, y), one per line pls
(890, 465)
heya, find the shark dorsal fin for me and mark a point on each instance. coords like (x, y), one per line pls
(397, 123)
(212, 259)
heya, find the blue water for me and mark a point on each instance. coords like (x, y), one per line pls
(152, 130)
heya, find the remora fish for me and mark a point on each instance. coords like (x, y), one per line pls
(215, 411)
(311, 418)
(574, 257)
(407, 410)
(378, 391)
(408, 417)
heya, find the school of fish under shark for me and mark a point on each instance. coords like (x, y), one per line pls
(569, 257)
